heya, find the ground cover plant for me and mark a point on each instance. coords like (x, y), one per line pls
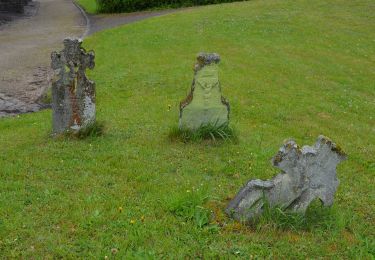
(289, 69)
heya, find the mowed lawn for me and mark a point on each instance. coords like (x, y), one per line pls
(291, 68)
(89, 6)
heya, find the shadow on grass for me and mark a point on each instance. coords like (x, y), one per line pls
(211, 133)
(96, 129)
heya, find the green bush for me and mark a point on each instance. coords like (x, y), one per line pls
(118, 6)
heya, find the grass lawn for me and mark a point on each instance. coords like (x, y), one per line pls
(90, 6)
(292, 68)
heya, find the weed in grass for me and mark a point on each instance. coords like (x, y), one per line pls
(209, 132)
(189, 206)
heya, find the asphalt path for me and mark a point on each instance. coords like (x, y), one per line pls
(26, 43)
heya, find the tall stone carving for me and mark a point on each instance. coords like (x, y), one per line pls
(204, 105)
(73, 94)
(307, 173)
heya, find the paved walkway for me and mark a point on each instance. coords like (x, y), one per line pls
(25, 48)
(26, 44)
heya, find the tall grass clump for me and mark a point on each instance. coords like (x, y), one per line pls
(316, 218)
(205, 132)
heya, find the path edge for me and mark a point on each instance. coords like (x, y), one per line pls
(87, 19)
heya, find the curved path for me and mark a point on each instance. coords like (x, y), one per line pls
(25, 48)
(27, 42)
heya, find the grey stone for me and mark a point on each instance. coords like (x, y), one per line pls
(204, 105)
(73, 94)
(10, 106)
(306, 174)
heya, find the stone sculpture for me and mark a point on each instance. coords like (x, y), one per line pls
(307, 173)
(204, 105)
(73, 94)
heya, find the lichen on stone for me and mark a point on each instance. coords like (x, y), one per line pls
(73, 94)
(204, 104)
(307, 173)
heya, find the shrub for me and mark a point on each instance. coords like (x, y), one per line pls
(119, 6)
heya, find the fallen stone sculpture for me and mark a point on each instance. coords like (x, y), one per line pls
(204, 105)
(307, 173)
(73, 94)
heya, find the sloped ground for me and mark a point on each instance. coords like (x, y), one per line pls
(27, 41)
(99, 22)
(290, 68)
(25, 48)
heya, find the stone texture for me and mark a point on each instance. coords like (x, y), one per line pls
(10, 106)
(73, 95)
(307, 173)
(204, 105)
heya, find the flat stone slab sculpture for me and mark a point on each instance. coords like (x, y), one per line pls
(204, 105)
(307, 173)
(73, 94)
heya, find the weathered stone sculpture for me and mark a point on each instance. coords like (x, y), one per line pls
(204, 105)
(307, 174)
(73, 95)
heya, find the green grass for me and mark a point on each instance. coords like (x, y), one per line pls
(289, 69)
(210, 132)
(90, 6)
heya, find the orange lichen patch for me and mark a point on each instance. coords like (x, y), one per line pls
(334, 147)
(76, 119)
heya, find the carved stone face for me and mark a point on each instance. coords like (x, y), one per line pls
(208, 78)
(204, 105)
